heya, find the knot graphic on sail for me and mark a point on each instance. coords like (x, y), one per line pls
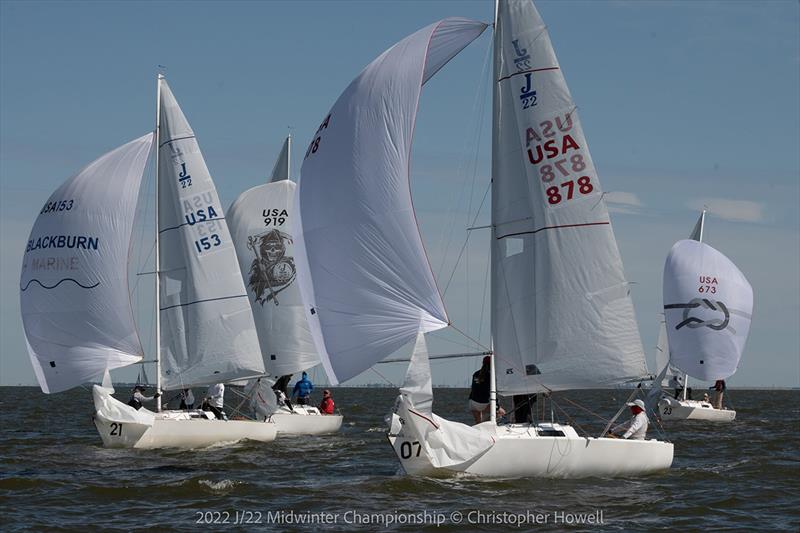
(271, 271)
(717, 324)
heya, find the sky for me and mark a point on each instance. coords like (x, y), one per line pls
(683, 104)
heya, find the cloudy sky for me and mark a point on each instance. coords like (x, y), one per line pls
(684, 105)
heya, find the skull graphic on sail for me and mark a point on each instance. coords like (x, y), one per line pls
(272, 271)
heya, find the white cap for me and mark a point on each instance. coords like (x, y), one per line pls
(637, 403)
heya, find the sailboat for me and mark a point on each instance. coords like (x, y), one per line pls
(708, 306)
(562, 316)
(261, 225)
(77, 309)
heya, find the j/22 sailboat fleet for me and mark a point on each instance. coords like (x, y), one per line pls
(265, 299)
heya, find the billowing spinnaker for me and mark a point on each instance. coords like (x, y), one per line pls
(207, 329)
(367, 282)
(708, 305)
(261, 226)
(74, 284)
(562, 316)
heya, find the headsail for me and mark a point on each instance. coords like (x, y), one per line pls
(74, 284)
(208, 333)
(562, 314)
(366, 280)
(444, 443)
(262, 229)
(708, 305)
(662, 353)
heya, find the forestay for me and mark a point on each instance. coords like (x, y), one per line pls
(708, 305)
(208, 333)
(366, 281)
(562, 316)
(445, 443)
(261, 225)
(74, 299)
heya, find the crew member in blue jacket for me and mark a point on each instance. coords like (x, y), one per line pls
(302, 389)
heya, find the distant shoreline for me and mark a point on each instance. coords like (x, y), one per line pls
(384, 386)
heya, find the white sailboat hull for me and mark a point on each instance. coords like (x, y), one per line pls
(672, 409)
(181, 433)
(305, 420)
(120, 426)
(520, 452)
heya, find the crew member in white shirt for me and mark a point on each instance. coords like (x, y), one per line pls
(636, 427)
(214, 402)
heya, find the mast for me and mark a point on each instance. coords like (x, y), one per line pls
(157, 259)
(492, 381)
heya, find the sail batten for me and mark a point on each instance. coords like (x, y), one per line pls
(74, 298)
(363, 270)
(562, 316)
(208, 333)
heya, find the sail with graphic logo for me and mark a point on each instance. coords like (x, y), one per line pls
(209, 332)
(708, 304)
(562, 315)
(364, 273)
(74, 299)
(261, 222)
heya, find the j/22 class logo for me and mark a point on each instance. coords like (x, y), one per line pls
(184, 178)
(523, 63)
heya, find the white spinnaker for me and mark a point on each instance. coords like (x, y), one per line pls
(261, 225)
(366, 282)
(708, 305)
(74, 299)
(208, 334)
(562, 316)
(280, 171)
(444, 442)
(662, 348)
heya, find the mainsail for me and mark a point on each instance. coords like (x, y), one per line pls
(280, 171)
(562, 316)
(708, 305)
(262, 229)
(74, 284)
(208, 331)
(364, 273)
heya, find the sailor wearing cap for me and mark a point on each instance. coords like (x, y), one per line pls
(137, 398)
(636, 427)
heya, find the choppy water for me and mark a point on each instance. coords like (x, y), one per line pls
(55, 475)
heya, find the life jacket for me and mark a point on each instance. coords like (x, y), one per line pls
(136, 404)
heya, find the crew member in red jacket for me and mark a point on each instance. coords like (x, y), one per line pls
(326, 407)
